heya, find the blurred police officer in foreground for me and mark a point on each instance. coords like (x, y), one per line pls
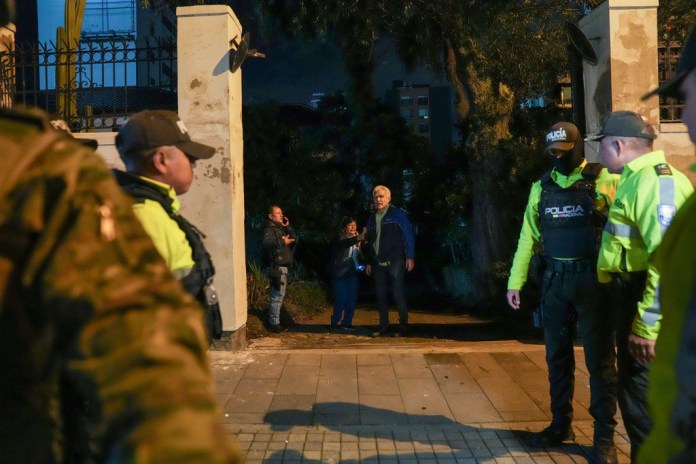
(102, 353)
(672, 391)
(563, 221)
(648, 195)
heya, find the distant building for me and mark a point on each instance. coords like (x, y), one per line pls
(126, 61)
(108, 26)
(427, 110)
(105, 19)
(317, 97)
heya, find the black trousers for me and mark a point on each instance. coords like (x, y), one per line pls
(574, 301)
(385, 277)
(633, 375)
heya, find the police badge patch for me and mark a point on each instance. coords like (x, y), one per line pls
(665, 213)
(663, 169)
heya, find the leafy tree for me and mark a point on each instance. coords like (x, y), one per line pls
(495, 53)
(674, 17)
(319, 167)
(479, 45)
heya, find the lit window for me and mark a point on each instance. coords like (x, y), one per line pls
(109, 17)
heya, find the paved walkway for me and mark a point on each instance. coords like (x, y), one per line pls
(470, 402)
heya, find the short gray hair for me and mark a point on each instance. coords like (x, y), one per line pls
(381, 188)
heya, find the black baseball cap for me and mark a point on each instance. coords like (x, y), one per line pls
(686, 64)
(156, 128)
(625, 124)
(562, 136)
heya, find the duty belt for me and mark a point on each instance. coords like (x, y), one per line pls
(570, 265)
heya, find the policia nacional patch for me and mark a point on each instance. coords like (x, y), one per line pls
(663, 169)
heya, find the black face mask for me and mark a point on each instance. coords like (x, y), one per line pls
(569, 161)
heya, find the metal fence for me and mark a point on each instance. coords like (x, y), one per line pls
(95, 86)
(667, 59)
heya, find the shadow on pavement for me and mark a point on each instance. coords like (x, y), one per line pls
(449, 439)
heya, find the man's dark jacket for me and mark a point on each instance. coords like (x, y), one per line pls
(396, 239)
(277, 252)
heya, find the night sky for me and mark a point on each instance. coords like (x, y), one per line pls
(294, 69)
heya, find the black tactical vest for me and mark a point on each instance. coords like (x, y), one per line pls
(199, 282)
(571, 226)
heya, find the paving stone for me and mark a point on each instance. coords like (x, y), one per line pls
(377, 380)
(410, 366)
(338, 365)
(309, 360)
(226, 377)
(337, 390)
(472, 408)
(455, 379)
(298, 380)
(423, 397)
(313, 445)
(337, 419)
(519, 366)
(373, 360)
(265, 367)
(484, 366)
(435, 359)
(380, 427)
(244, 418)
(508, 396)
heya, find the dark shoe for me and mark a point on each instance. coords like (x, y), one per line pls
(604, 452)
(277, 328)
(334, 327)
(401, 332)
(381, 332)
(552, 435)
(349, 328)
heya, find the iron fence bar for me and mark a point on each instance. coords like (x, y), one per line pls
(112, 78)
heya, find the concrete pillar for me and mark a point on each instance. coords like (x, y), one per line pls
(624, 35)
(210, 104)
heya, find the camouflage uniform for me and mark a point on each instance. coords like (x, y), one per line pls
(96, 335)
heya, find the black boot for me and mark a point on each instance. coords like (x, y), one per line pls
(553, 435)
(603, 451)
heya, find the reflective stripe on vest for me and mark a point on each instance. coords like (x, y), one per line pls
(666, 198)
(621, 230)
(652, 313)
(667, 190)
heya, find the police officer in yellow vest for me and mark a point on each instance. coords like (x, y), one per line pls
(672, 390)
(563, 220)
(160, 156)
(648, 195)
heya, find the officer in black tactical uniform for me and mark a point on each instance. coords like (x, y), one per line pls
(102, 353)
(563, 223)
